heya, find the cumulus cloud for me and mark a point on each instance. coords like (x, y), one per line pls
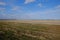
(2, 3)
(29, 1)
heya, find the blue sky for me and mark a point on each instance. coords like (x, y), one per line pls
(29, 9)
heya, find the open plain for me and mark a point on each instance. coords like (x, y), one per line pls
(29, 29)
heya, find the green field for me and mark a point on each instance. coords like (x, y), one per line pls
(28, 31)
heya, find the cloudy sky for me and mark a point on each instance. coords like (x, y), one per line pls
(29, 9)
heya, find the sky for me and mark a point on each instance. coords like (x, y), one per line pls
(29, 9)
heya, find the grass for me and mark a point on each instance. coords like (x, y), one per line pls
(28, 31)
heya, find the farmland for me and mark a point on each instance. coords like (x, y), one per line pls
(30, 30)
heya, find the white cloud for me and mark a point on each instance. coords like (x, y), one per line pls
(40, 5)
(55, 10)
(46, 0)
(48, 13)
(15, 8)
(3, 14)
(2, 9)
(58, 6)
(2, 3)
(29, 1)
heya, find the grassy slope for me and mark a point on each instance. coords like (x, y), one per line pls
(27, 31)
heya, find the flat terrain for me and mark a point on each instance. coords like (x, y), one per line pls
(30, 30)
(55, 22)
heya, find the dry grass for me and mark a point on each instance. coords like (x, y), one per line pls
(14, 30)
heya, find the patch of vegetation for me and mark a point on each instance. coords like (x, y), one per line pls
(27, 31)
